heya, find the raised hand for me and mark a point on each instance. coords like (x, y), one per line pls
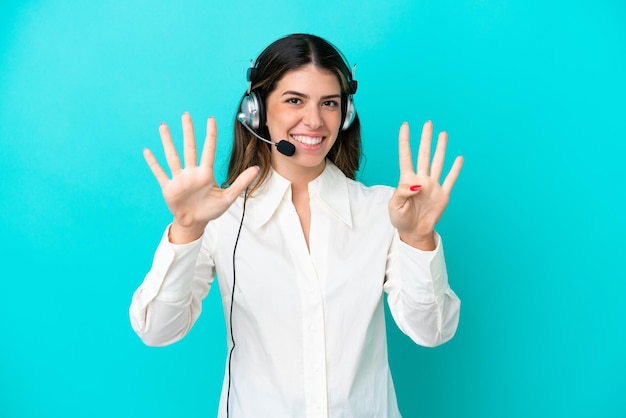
(192, 195)
(420, 199)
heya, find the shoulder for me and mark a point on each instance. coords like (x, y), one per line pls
(358, 190)
(333, 178)
(376, 193)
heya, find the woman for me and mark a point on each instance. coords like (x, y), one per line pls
(302, 252)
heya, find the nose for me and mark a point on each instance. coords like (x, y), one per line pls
(312, 117)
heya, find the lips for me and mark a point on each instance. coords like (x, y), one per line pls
(308, 140)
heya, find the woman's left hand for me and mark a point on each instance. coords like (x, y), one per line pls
(420, 199)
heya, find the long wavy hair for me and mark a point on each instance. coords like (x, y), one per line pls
(287, 54)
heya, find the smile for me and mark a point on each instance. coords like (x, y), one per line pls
(308, 140)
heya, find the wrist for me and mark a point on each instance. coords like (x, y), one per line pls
(421, 242)
(179, 234)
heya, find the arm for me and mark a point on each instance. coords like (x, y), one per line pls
(420, 299)
(169, 301)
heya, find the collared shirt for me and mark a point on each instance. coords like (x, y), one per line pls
(308, 322)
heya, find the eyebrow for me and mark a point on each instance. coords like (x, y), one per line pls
(305, 96)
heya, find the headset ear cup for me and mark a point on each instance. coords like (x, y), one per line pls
(350, 113)
(253, 112)
(260, 110)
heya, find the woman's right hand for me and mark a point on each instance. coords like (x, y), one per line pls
(192, 195)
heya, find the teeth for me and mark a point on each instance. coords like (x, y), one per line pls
(308, 140)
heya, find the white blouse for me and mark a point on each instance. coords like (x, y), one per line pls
(309, 324)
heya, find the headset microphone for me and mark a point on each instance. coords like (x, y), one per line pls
(284, 147)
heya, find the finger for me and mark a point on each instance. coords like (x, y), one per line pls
(156, 169)
(241, 182)
(423, 154)
(405, 191)
(404, 149)
(440, 153)
(170, 151)
(448, 183)
(189, 141)
(208, 150)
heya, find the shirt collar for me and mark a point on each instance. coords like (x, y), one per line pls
(330, 188)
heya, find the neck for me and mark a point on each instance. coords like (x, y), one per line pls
(299, 177)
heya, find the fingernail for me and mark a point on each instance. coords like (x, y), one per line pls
(415, 188)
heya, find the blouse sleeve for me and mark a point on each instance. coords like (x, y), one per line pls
(420, 299)
(168, 302)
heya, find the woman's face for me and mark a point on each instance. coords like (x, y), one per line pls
(304, 109)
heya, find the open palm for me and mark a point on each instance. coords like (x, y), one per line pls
(192, 195)
(420, 200)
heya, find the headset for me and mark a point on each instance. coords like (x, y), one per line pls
(253, 116)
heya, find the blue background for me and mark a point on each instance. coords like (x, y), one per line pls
(530, 92)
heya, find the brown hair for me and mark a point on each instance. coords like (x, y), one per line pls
(287, 54)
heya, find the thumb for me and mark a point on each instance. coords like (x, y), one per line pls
(402, 194)
(243, 180)
(406, 191)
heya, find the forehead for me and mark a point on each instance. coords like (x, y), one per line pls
(309, 77)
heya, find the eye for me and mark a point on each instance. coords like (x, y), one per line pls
(293, 100)
(330, 103)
